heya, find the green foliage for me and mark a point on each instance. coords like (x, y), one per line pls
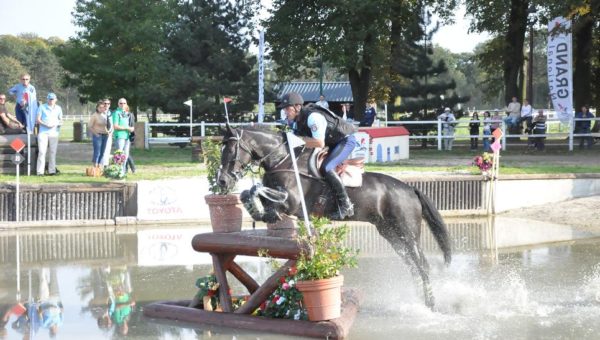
(208, 286)
(330, 254)
(31, 54)
(118, 50)
(211, 150)
(352, 36)
(420, 84)
(207, 47)
(158, 54)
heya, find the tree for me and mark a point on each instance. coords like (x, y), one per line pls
(415, 76)
(117, 49)
(207, 46)
(31, 54)
(506, 19)
(350, 35)
(10, 70)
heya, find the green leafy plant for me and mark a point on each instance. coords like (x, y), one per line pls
(211, 150)
(329, 255)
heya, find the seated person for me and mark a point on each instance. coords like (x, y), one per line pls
(8, 123)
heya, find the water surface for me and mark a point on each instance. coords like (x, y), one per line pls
(509, 279)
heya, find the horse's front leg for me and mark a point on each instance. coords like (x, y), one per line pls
(253, 204)
(265, 204)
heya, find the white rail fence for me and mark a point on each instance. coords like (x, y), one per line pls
(565, 131)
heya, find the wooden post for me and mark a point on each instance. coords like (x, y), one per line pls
(243, 277)
(224, 296)
(263, 292)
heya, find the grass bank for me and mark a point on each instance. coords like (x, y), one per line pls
(166, 161)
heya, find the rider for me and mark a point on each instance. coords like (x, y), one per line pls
(320, 127)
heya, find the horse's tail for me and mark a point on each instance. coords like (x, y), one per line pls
(436, 225)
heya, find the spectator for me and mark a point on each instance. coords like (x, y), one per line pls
(109, 128)
(539, 128)
(474, 130)
(49, 118)
(50, 308)
(448, 125)
(584, 126)
(9, 124)
(120, 303)
(122, 130)
(513, 110)
(487, 131)
(369, 117)
(97, 126)
(345, 111)
(349, 112)
(130, 163)
(26, 106)
(496, 119)
(322, 102)
(526, 114)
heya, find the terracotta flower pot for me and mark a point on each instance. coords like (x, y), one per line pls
(322, 298)
(225, 212)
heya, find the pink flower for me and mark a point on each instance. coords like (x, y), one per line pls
(285, 286)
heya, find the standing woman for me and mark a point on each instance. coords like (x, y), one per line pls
(109, 128)
(474, 130)
(49, 118)
(487, 131)
(97, 126)
(122, 130)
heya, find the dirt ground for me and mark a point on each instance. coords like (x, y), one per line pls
(582, 213)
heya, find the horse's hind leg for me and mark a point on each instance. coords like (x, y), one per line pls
(408, 248)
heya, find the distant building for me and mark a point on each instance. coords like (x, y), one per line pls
(336, 93)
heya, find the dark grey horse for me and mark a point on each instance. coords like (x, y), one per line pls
(394, 207)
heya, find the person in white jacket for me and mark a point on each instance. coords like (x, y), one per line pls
(448, 126)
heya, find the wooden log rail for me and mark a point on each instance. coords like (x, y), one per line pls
(224, 247)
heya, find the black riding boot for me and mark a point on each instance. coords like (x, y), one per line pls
(345, 207)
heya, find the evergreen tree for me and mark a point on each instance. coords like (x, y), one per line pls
(207, 46)
(415, 76)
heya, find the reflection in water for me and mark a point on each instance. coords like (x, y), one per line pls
(505, 281)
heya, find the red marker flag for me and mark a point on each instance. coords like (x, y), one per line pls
(227, 100)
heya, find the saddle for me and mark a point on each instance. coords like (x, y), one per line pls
(350, 171)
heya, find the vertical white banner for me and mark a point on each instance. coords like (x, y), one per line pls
(261, 77)
(560, 67)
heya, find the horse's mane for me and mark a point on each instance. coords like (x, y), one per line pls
(262, 128)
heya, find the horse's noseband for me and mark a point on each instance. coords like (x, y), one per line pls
(238, 172)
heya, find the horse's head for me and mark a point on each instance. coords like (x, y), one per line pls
(243, 146)
(236, 155)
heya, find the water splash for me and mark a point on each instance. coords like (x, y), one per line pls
(590, 290)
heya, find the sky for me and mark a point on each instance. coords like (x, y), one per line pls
(48, 18)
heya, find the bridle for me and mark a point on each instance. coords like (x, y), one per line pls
(239, 169)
